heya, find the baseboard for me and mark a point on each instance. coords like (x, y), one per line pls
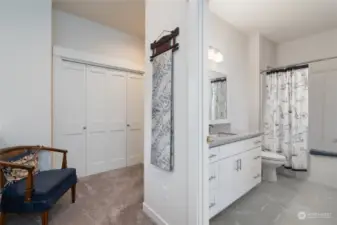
(153, 215)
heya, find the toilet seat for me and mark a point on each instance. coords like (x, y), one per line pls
(272, 156)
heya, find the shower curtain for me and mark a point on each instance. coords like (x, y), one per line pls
(286, 116)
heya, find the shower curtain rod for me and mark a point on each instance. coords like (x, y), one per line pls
(297, 64)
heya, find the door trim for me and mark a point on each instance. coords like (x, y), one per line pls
(94, 60)
(197, 188)
(88, 59)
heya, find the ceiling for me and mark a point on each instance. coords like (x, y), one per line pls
(125, 15)
(278, 20)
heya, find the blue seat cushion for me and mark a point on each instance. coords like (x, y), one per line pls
(49, 186)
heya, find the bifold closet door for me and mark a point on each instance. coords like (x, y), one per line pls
(69, 113)
(105, 109)
(135, 118)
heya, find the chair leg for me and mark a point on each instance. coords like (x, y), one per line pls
(44, 218)
(73, 193)
(2, 218)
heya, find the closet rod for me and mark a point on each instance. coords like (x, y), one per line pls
(102, 65)
(298, 64)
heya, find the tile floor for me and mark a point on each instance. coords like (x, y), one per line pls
(280, 204)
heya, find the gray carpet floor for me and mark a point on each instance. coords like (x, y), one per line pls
(110, 198)
(290, 201)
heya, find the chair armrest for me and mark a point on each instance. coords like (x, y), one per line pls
(64, 160)
(16, 166)
(29, 181)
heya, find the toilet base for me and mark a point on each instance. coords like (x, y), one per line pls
(269, 174)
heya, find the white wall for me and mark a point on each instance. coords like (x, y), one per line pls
(234, 46)
(262, 54)
(305, 49)
(312, 47)
(25, 80)
(77, 33)
(268, 51)
(165, 193)
(267, 59)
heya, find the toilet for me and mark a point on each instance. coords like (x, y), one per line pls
(271, 161)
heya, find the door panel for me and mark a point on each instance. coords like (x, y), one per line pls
(251, 169)
(135, 119)
(69, 113)
(97, 137)
(116, 117)
(106, 119)
(228, 171)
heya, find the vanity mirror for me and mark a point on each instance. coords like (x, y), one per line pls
(218, 98)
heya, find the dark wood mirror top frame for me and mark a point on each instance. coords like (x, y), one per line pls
(6, 153)
(165, 43)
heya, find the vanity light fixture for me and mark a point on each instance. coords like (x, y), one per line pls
(214, 55)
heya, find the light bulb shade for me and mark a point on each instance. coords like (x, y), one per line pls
(214, 55)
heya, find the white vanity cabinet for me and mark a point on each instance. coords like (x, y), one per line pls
(234, 169)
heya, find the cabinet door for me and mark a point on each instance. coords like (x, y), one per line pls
(250, 169)
(213, 205)
(135, 118)
(228, 181)
(213, 177)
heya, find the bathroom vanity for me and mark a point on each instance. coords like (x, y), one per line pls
(234, 168)
(234, 158)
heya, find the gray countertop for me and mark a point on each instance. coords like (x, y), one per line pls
(218, 141)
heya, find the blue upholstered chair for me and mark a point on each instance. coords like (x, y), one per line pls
(38, 192)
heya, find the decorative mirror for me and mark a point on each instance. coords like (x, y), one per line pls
(218, 98)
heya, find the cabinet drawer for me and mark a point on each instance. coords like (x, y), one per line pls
(213, 177)
(213, 154)
(213, 205)
(254, 142)
(239, 147)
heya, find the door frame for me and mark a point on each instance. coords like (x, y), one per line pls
(87, 59)
(197, 115)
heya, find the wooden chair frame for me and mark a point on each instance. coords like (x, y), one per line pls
(13, 151)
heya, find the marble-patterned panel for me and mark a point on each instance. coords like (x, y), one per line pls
(162, 108)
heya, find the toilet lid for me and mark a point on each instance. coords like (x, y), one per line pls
(272, 155)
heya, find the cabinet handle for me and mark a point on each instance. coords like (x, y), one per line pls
(257, 176)
(211, 156)
(211, 178)
(257, 142)
(257, 157)
(237, 165)
(212, 205)
(240, 164)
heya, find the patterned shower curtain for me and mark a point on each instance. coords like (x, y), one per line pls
(286, 116)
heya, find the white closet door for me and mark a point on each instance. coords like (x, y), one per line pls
(116, 116)
(135, 119)
(105, 120)
(69, 113)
